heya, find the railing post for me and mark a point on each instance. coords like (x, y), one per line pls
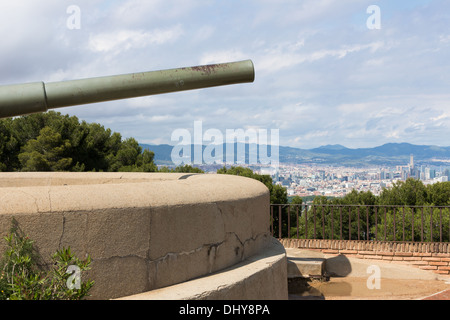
(431, 224)
(376, 223)
(271, 220)
(323, 222)
(306, 222)
(314, 218)
(289, 221)
(358, 224)
(349, 223)
(367, 223)
(421, 226)
(403, 223)
(394, 225)
(279, 222)
(332, 223)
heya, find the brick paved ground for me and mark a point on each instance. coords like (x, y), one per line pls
(445, 295)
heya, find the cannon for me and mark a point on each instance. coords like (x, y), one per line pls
(23, 99)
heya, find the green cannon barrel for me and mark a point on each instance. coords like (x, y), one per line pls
(22, 99)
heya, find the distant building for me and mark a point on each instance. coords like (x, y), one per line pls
(432, 173)
(426, 173)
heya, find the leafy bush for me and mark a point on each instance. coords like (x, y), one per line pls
(22, 276)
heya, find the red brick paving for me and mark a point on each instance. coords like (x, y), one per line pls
(445, 295)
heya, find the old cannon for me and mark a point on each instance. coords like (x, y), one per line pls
(22, 99)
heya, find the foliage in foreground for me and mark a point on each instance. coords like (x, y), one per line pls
(22, 276)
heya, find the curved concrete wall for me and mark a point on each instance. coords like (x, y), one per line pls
(260, 277)
(142, 231)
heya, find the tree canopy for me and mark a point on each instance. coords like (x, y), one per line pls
(54, 142)
(411, 192)
(278, 194)
(182, 169)
(408, 210)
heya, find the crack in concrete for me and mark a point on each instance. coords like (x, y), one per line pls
(62, 232)
(121, 257)
(49, 199)
(35, 200)
(244, 243)
(210, 247)
(176, 254)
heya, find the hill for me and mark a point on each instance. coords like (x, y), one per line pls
(388, 154)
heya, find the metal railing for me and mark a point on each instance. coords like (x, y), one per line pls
(361, 222)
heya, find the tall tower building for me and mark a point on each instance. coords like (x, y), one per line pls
(414, 173)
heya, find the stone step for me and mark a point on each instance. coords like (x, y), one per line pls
(303, 264)
(305, 268)
(302, 268)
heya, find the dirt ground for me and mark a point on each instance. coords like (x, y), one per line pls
(349, 288)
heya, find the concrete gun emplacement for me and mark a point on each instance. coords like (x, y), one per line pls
(23, 99)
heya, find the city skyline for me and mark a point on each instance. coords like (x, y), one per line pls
(316, 180)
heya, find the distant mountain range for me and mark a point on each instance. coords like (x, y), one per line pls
(390, 154)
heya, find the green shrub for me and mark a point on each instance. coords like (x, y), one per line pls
(24, 277)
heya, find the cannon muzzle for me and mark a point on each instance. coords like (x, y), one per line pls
(22, 99)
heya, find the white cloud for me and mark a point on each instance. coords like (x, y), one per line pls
(144, 13)
(441, 117)
(204, 33)
(222, 56)
(160, 118)
(444, 38)
(292, 54)
(124, 40)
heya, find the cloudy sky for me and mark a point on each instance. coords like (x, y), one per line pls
(322, 75)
